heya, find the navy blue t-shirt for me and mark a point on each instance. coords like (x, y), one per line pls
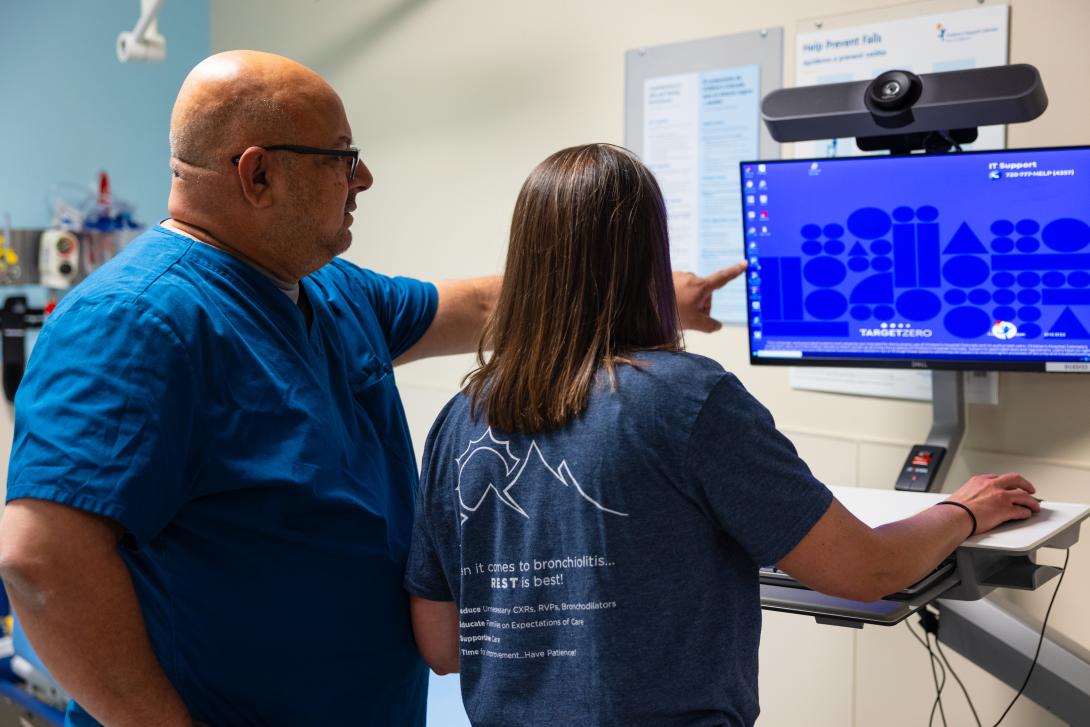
(606, 573)
(262, 470)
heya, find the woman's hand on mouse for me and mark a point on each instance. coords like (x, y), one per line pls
(996, 499)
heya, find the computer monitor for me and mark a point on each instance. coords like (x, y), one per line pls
(975, 260)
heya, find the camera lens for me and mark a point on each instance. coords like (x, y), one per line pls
(893, 93)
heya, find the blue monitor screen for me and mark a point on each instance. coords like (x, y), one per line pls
(969, 260)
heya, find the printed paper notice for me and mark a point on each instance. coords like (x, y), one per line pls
(955, 41)
(697, 128)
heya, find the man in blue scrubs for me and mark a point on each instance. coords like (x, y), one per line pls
(211, 484)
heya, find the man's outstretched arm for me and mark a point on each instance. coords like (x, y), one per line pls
(74, 598)
(465, 305)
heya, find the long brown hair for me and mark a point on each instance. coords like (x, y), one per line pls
(587, 283)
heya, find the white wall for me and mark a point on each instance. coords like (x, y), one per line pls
(454, 101)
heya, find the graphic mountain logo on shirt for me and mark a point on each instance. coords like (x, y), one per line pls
(476, 484)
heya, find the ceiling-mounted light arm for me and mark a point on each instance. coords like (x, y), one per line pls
(143, 43)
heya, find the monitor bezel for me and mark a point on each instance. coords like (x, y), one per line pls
(915, 364)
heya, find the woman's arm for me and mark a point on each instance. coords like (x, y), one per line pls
(843, 557)
(435, 625)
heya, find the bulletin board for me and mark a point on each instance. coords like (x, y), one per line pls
(692, 113)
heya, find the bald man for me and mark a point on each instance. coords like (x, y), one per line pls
(211, 484)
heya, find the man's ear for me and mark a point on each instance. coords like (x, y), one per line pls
(253, 176)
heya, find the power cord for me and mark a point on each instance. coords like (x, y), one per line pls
(942, 654)
(933, 661)
(938, 691)
(1040, 641)
(929, 622)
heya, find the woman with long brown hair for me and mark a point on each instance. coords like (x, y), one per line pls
(595, 504)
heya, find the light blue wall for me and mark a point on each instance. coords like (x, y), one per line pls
(68, 108)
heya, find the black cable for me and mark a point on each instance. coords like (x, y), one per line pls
(929, 622)
(1040, 640)
(932, 659)
(938, 686)
(964, 691)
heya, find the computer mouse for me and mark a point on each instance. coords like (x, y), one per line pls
(1021, 520)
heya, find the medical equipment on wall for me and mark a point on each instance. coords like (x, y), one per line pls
(9, 258)
(143, 42)
(58, 259)
(16, 316)
(89, 228)
(107, 226)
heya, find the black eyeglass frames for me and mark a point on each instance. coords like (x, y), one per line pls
(351, 154)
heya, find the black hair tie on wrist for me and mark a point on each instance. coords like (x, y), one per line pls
(965, 508)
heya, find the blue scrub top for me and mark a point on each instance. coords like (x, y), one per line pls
(263, 473)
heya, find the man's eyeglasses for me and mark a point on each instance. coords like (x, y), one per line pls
(351, 155)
